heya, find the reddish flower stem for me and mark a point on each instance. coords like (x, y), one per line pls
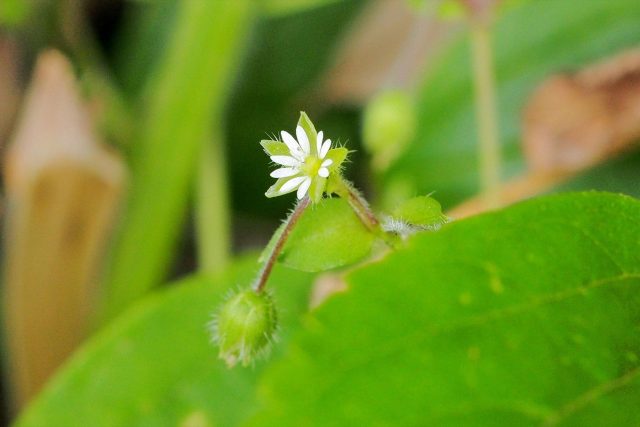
(264, 273)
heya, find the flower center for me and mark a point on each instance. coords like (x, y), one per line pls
(311, 166)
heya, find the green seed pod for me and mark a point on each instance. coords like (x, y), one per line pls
(245, 326)
(389, 126)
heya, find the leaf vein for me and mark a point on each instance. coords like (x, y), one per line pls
(584, 400)
(398, 344)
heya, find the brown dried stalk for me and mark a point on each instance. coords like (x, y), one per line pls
(63, 188)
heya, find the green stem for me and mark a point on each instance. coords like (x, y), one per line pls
(487, 117)
(291, 221)
(211, 208)
(360, 206)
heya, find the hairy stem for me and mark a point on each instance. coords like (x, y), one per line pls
(359, 205)
(487, 117)
(361, 208)
(291, 221)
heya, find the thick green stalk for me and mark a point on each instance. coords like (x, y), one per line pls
(188, 92)
(211, 209)
(487, 117)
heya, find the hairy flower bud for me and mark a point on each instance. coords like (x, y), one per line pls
(414, 215)
(245, 326)
(422, 211)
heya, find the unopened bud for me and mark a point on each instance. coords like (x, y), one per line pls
(245, 326)
(389, 126)
(420, 213)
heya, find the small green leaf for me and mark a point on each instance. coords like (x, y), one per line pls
(422, 211)
(334, 184)
(328, 235)
(338, 155)
(309, 128)
(316, 190)
(274, 190)
(275, 148)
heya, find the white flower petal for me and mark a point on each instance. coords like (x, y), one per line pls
(285, 160)
(326, 163)
(325, 148)
(302, 190)
(284, 172)
(303, 139)
(298, 154)
(290, 141)
(323, 172)
(319, 142)
(292, 183)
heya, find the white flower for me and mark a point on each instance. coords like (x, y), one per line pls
(305, 165)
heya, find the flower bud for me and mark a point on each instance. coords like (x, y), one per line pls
(389, 126)
(245, 326)
(423, 211)
(416, 214)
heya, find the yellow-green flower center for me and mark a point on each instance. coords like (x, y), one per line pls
(311, 166)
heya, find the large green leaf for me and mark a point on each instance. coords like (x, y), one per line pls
(328, 235)
(529, 316)
(156, 365)
(532, 41)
